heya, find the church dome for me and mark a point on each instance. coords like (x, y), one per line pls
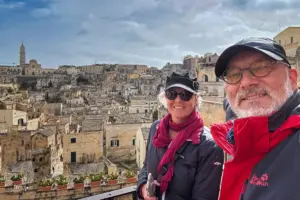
(33, 61)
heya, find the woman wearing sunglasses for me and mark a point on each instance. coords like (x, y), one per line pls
(182, 158)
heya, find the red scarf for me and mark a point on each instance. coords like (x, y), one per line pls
(252, 142)
(190, 129)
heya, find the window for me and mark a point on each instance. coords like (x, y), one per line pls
(41, 159)
(36, 170)
(33, 159)
(292, 40)
(22, 142)
(114, 143)
(73, 140)
(133, 141)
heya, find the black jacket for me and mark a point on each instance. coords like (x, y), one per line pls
(197, 173)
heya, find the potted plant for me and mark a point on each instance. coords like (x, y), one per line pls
(17, 179)
(2, 180)
(79, 182)
(112, 179)
(130, 176)
(46, 185)
(95, 179)
(61, 182)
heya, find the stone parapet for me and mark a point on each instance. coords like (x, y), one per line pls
(32, 192)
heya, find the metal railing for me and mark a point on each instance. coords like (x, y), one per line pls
(128, 191)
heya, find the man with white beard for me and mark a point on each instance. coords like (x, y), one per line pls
(264, 138)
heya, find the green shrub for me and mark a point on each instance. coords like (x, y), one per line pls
(46, 182)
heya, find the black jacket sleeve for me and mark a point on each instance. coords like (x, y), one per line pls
(143, 175)
(209, 173)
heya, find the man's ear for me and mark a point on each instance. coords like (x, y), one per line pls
(293, 75)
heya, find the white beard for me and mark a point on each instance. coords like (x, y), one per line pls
(256, 110)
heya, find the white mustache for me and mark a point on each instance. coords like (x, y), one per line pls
(251, 91)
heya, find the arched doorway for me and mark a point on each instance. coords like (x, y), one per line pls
(205, 78)
(21, 122)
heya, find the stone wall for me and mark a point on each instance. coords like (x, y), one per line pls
(14, 193)
(125, 134)
(212, 112)
(85, 146)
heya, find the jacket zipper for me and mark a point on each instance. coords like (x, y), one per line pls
(244, 189)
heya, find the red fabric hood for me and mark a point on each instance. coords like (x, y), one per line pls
(252, 141)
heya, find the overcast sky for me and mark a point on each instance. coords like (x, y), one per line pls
(151, 32)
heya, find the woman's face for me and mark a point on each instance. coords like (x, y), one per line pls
(178, 108)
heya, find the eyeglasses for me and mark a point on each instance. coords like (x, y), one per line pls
(184, 95)
(259, 69)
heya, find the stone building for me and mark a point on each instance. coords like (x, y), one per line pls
(15, 146)
(211, 88)
(10, 70)
(206, 68)
(41, 158)
(141, 144)
(53, 109)
(33, 68)
(289, 38)
(83, 143)
(121, 141)
(91, 69)
(140, 69)
(13, 117)
(149, 84)
(190, 62)
(142, 104)
(169, 68)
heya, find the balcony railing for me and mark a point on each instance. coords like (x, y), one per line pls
(128, 192)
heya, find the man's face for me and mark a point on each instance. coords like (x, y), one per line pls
(254, 96)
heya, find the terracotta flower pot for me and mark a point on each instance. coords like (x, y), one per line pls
(131, 180)
(78, 185)
(61, 187)
(2, 184)
(95, 183)
(112, 182)
(45, 188)
(17, 182)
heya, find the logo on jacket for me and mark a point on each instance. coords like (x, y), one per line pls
(260, 181)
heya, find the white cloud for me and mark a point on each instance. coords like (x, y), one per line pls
(11, 5)
(41, 12)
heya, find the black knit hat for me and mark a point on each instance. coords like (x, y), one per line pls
(182, 81)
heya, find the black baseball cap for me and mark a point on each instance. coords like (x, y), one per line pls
(264, 45)
(182, 81)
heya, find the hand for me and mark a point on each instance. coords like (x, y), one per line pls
(145, 194)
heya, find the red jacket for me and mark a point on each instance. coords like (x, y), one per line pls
(253, 140)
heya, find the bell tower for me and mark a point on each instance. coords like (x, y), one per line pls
(22, 55)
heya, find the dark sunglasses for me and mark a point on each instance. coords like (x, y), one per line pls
(184, 95)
